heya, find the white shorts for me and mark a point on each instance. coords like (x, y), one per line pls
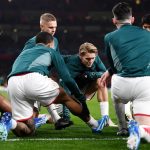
(136, 90)
(24, 90)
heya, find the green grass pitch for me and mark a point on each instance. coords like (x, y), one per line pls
(76, 137)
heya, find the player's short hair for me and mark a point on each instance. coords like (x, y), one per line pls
(87, 48)
(44, 37)
(145, 19)
(47, 17)
(122, 11)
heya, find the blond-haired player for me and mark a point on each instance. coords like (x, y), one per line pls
(86, 68)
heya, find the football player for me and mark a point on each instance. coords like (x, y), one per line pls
(29, 82)
(86, 68)
(128, 51)
(48, 23)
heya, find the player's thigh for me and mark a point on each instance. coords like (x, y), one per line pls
(22, 108)
(143, 120)
(121, 89)
(89, 88)
(141, 102)
(141, 111)
(41, 88)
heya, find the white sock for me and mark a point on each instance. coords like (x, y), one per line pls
(128, 110)
(14, 124)
(104, 108)
(92, 123)
(145, 132)
(53, 112)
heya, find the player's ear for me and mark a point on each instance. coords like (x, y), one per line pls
(114, 21)
(80, 55)
(41, 27)
(132, 20)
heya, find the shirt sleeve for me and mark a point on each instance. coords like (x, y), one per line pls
(29, 44)
(66, 58)
(112, 69)
(56, 45)
(64, 74)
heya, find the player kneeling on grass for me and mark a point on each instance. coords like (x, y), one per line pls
(128, 51)
(86, 68)
(48, 23)
(28, 82)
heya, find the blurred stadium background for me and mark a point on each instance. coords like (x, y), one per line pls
(78, 21)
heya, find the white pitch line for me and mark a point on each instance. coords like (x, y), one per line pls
(68, 139)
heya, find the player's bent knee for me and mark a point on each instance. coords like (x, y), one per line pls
(26, 128)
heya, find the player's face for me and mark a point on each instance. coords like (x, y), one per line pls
(49, 27)
(88, 59)
(146, 26)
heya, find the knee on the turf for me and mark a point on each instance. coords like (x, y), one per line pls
(24, 129)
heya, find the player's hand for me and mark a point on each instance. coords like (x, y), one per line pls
(105, 78)
(101, 84)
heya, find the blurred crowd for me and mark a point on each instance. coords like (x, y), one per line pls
(78, 21)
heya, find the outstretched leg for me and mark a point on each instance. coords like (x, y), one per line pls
(5, 105)
(77, 109)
